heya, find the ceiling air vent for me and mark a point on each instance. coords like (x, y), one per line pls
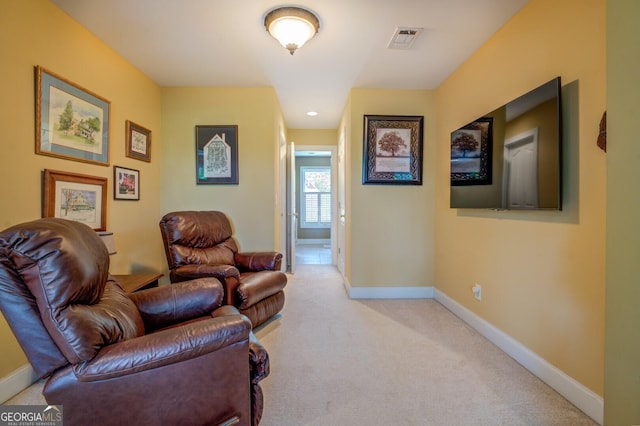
(404, 37)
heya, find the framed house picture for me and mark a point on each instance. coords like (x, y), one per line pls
(126, 183)
(71, 122)
(76, 197)
(217, 154)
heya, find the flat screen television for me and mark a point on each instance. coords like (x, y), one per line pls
(510, 158)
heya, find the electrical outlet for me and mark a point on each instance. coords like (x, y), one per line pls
(477, 291)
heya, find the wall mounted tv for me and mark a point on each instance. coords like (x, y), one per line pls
(510, 158)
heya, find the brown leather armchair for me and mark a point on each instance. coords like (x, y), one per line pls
(201, 244)
(168, 355)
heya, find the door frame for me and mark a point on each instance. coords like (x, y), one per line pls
(333, 150)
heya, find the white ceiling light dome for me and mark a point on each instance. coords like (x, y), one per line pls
(292, 26)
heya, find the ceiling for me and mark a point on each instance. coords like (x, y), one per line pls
(224, 43)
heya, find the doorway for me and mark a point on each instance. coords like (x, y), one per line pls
(315, 200)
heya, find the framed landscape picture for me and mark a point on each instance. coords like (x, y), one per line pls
(392, 151)
(216, 155)
(71, 122)
(76, 197)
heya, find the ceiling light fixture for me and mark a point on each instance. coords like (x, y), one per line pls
(291, 26)
(312, 113)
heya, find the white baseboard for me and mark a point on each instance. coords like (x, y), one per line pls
(16, 382)
(586, 400)
(390, 292)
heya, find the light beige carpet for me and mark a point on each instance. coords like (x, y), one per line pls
(336, 361)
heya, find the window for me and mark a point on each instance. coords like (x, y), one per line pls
(315, 202)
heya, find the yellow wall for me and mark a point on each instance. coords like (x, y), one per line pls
(35, 32)
(253, 111)
(622, 383)
(313, 136)
(542, 273)
(390, 226)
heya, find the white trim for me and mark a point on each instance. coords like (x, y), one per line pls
(585, 399)
(333, 149)
(390, 292)
(16, 382)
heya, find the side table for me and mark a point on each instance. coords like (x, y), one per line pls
(134, 282)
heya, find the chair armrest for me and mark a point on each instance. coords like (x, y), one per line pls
(224, 311)
(164, 348)
(228, 275)
(258, 360)
(170, 304)
(259, 261)
(258, 356)
(221, 272)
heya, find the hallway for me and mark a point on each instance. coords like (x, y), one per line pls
(313, 254)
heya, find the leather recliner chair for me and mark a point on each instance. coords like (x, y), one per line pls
(167, 355)
(201, 244)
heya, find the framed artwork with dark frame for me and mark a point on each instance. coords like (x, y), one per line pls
(392, 151)
(126, 183)
(471, 153)
(71, 122)
(217, 154)
(138, 142)
(76, 197)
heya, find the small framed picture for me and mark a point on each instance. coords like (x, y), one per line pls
(392, 151)
(216, 155)
(76, 197)
(126, 183)
(138, 142)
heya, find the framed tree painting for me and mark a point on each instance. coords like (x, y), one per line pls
(392, 151)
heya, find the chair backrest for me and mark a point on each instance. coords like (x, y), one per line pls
(198, 237)
(56, 295)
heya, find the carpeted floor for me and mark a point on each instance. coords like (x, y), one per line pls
(336, 361)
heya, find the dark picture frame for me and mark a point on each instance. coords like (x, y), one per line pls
(216, 154)
(471, 153)
(392, 150)
(138, 140)
(126, 183)
(77, 197)
(71, 122)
